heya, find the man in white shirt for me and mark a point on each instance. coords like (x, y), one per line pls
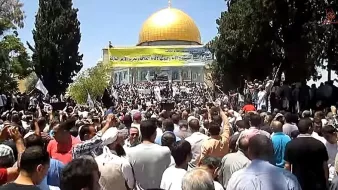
(255, 121)
(195, 139)
(317, 129)
(148, 159)
(176, 119)
(135, 110)
(261, 98)
(111, 164)
(172, 176)
(330, 135)
(262, 95)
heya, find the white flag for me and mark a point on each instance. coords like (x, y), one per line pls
(240, 98)
(115, 94)
(90, 101)
(157, 92)
(39, 85)
(148, 77)
(175, 91)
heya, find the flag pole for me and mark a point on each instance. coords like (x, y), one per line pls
(112, 78)
(31, 91)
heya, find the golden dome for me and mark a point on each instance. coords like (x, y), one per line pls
(169, 24)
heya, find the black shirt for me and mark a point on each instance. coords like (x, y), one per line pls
(267, 128)
(14, 186)
(307, 155)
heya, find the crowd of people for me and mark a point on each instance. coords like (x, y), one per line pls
(295, 97)
(179, 136)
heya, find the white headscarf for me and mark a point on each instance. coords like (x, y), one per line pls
(109, 136)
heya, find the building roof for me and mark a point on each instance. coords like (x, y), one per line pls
(169, 24)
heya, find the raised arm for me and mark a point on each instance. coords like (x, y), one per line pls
(88, 146)
(209, 114)
(226, 124)
(17, 138)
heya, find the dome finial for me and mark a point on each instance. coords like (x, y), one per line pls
(169, 3)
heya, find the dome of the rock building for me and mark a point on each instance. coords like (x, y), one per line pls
(169, 24)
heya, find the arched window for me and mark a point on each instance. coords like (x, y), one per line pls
(124, 75)
(194, 76)
(185, 75)
(143, 75)
(120, 76)
(152, 73)
(175, 75)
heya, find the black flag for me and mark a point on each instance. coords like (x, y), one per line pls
(106, 100)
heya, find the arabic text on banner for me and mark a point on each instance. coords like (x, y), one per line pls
(158, 56)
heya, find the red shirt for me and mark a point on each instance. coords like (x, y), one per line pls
(249, 107)
(62, 152)
(3, 176)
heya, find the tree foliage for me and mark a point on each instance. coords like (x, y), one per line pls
(14, 59)
(20, 64)
(56, 57)
(330, 39)
(30, 82)
(11, 15)
(256, 36)
(93, 81)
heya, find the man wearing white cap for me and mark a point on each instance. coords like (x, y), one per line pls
(116, 172)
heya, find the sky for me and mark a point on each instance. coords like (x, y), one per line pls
(120, 21)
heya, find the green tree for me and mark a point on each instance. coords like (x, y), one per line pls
(14, 59)
(20, 64)
(93, 81)
(56, 57)
(8, 84)
(30, 82)
(328, 37)
(256, 36)
(11, 15)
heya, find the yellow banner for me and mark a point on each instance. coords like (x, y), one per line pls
(159, 56)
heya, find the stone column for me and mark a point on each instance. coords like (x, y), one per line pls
(170, 74)
(112, 77)
(134, 73)
(202, 75)
(138, 79)
(128, 76)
